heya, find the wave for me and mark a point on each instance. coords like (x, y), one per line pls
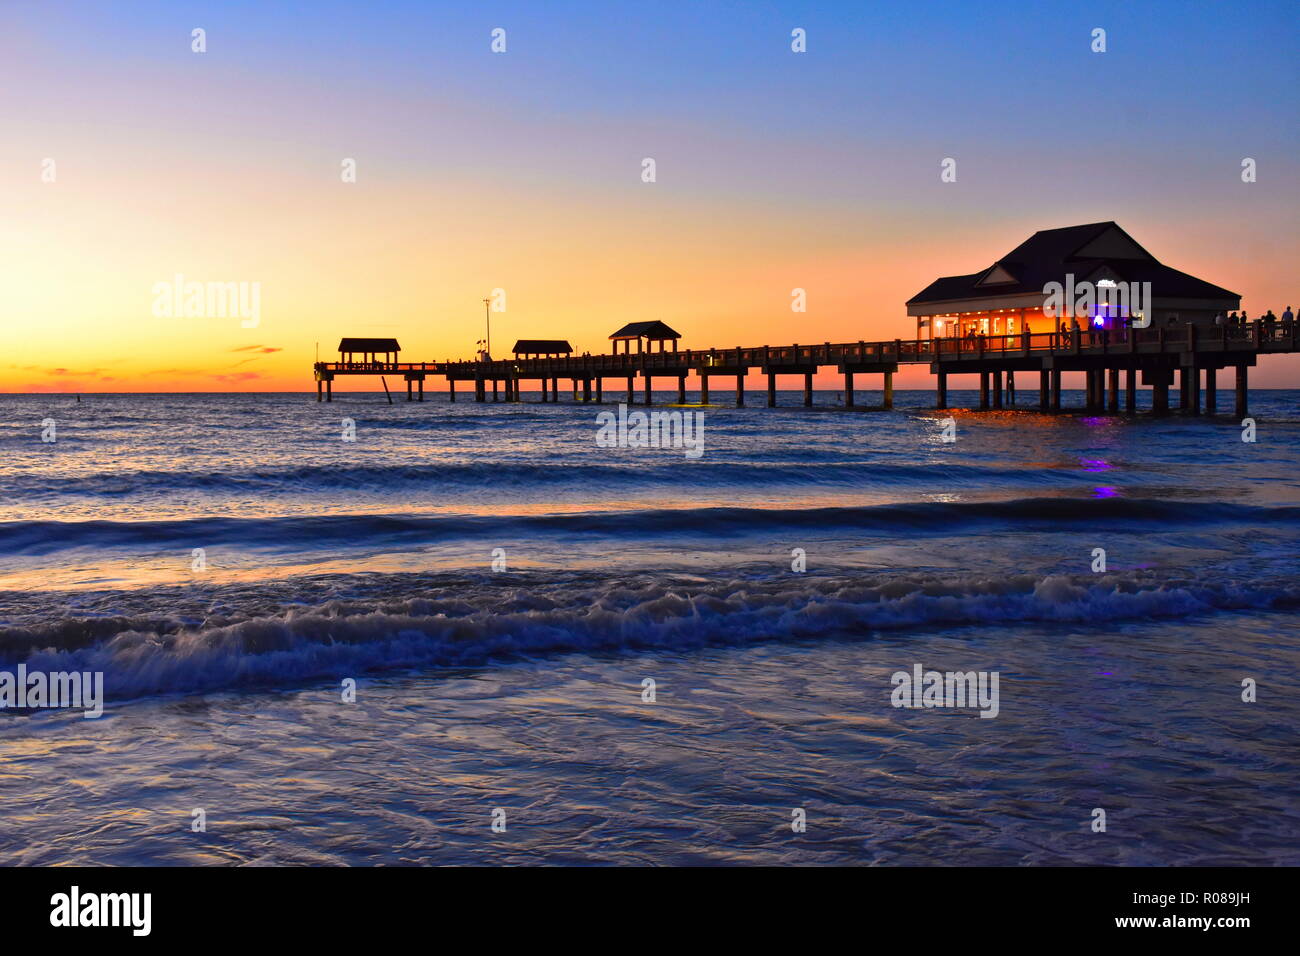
(372, 530)
(442, 477)
(424, 621)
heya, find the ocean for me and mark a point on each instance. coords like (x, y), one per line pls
(567, 653)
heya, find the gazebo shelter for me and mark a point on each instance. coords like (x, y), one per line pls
(542, 348)
(368, 349)
(645, 334)
(1009, 296)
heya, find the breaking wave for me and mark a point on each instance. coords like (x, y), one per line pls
(407, 621)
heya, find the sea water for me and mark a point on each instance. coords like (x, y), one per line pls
(474, 634)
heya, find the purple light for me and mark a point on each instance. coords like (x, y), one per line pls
(1105, 492)
(1094, 464)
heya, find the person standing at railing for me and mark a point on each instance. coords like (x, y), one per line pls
(1270, 320)
(1288, 320)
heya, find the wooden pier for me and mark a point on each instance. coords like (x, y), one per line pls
(1158, 356)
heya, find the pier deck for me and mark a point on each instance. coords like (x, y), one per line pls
(1157, 354)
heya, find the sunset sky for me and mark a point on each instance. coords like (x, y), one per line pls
(522, 170)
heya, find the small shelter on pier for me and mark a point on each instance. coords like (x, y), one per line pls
(645, 334)
(1009, 296)
(369, 350)
(541, 348)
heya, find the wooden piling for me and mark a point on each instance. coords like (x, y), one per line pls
(1160, 398)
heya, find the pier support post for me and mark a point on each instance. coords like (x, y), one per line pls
(848, 389)
(1160, 398)
(648, 399)
(421, 386)
(575, 389)
(941, 390)
(1241, 392)
(1112, 403)
(807, 389)
(631, 389)
(1044, 390)
(771, 390)
(1188, 390)
(319, 396)
(740, 389)
(586, 390)
(984, 390)
(704, 388)
(329, 389)
(1056, 389)
(480, 390)
(408, 389)
(451, 389)
(495, 396)
(681, 389)
(600, 390)
(889, 390)
(555, 389)
(1011, 388)
(1211, 390)
(1130, 391)
(997, 389)
(543, 382)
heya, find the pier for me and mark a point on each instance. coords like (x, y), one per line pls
(1113, 361)
(1142, 321)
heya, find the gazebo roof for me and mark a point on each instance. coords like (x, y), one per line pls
(369, 345)
(655, 331)
(542, 347)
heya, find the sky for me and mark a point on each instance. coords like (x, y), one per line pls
(127, 159)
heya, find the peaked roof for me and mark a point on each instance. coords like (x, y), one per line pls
(369, 345)
(650, 330)
(542, 346)
(1049, 254)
